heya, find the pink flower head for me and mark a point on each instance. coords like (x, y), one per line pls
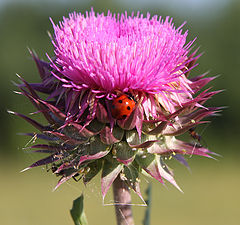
(123, 53)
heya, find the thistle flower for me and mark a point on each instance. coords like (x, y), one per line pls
(104, 66)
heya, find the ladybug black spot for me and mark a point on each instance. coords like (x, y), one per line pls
(128, 108)
(120, 101)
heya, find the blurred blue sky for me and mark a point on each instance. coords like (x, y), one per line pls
(196, 7)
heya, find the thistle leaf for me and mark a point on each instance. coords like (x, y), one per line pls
(77, 212)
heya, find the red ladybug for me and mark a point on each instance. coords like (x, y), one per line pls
(122, 107)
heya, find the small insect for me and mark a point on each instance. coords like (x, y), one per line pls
(122, 107)
(198, 140)
(194, 134)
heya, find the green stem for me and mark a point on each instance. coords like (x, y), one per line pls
(122, 199)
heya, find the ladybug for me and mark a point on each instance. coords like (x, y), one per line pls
(122, 107)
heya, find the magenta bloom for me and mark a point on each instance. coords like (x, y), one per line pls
(105, 65)
(106, 54)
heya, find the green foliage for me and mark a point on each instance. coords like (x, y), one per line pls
(77, 212)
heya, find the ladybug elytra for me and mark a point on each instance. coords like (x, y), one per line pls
(122, 107)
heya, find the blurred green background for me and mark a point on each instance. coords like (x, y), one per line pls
(211, 188)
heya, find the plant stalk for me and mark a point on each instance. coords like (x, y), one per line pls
(122, 200)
